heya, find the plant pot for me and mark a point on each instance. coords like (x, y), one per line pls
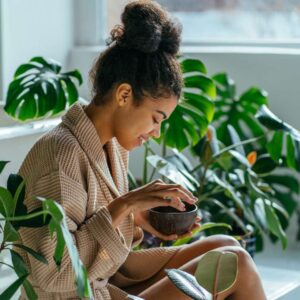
(169, 220)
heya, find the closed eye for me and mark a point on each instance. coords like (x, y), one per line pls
(155, 121)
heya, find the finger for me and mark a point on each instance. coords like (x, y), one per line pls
(156, 201)
(174, 186)
(175, 193)
(198, 219)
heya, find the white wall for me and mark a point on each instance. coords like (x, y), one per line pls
(34, 28)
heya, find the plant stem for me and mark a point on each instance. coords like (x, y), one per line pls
(3, 263)
(203, 179)
(152, 175)
(238, 144)
(21, 218)
(164, 150)
(145, 171)
(226, 149)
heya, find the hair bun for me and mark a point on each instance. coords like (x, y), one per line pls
(147, 28)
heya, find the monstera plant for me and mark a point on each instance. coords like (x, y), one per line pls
(39, 89)
(238, 179)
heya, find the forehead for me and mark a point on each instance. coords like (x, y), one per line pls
(166, 104)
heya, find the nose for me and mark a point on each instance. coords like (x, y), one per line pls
(156, 132)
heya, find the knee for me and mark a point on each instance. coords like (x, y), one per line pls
(221, 240)
(245, 261)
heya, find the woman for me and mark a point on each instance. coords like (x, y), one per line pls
(83, 163)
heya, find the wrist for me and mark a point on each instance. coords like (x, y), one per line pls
(119, 210)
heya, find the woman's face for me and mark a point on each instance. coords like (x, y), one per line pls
(134, 125)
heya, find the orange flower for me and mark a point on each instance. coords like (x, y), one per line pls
(209, 134)
(251, 157)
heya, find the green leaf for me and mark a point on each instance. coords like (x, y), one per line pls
(260, 213)
(47, 63)
(271, 121)
(193, 65)
(18, 263)
(16, 186)
(225, 85)
(217, 271)
(38, 90)
(290, 149)
(11, 290)
(235, 139)
(187, 284)
(170, 171)
(264, 164)
(274, 224)
(202, 82)
(6, 202)
(10, 233)
(33, 253)
(64, 237)
(31, 294)
(76, 74)
(203, 227)
(255, 95)
(2, 165)
(285, 180)
(275, 145)
(239, 157)
(201, 102)
(228, 212)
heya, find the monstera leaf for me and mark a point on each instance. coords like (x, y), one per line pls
(283, 133)
(236, 111)
(195, 111)
(39, 89)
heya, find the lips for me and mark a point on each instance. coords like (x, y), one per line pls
(143, 139)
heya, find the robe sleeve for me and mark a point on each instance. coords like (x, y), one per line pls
(101, 247)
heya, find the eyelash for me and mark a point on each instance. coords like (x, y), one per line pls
(155, 121)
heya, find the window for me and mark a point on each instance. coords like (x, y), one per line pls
(237, 20)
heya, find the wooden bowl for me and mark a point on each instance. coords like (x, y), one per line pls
(169, 220)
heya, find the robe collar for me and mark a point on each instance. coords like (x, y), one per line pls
(85, 132)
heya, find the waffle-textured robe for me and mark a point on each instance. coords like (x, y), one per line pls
(68, 165)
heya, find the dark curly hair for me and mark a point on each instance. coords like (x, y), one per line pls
(141, 52)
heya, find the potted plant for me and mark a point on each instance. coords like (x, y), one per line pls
(233, 187)
(13, 216)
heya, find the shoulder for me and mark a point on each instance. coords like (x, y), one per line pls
(56, 150)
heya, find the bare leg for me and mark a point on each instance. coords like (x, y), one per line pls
(247, 285)
(184, 255)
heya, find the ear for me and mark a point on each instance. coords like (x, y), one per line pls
(124, 94)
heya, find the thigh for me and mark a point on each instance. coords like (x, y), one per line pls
(164, 289)
(185, 254)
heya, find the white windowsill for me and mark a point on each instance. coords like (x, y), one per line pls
(277, 48)
(36, 127)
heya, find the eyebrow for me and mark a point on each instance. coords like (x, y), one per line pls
(161, 112)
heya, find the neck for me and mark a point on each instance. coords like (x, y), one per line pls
(101, 118)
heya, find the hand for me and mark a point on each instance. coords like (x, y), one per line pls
(142, 220)
(156, 193)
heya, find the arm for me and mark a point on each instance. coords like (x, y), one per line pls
(101, 247)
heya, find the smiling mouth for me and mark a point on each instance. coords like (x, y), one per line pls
(143, 140)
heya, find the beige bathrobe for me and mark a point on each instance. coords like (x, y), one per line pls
(68, 165)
